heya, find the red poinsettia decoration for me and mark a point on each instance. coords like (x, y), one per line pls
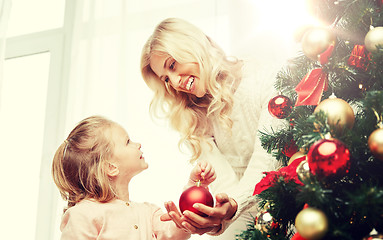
(288, 173)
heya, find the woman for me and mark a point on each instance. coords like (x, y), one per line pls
(218, 105)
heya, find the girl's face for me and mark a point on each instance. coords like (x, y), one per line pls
(127, 155)
(184, 77)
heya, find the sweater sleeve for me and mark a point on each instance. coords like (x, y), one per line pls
(260, 161)
(226, 178)
(226, 181)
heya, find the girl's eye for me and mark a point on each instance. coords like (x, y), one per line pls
(128, 141)
(166, 79)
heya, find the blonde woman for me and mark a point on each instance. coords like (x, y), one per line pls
(218, 104)
(92, 169)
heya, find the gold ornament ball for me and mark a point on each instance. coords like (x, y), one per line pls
(373, 38)
(303, 171)
(375, 143)
(316, 41)
(300, 31)
(339, 112)
(263, 221)
(311, 223)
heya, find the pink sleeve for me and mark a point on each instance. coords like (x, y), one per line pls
(166, 230)
(78, 225)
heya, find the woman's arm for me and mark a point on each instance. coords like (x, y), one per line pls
(262, 83)
(225, 206)
(213, 224)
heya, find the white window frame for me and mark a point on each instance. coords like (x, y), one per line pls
(54, 41)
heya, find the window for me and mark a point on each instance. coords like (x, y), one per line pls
(23, 99)
(24, 21)
(31, 103)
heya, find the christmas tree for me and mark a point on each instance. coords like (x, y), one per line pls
(331, 98)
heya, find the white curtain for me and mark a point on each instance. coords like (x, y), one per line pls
(5, 8)
(105, 51)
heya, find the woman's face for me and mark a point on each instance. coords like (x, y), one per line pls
(184, 77)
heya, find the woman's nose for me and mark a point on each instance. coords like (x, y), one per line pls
(175, 80)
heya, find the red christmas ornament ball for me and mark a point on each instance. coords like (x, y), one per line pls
(328, 158)
(290, 149)
(195, 194)
(280, 106)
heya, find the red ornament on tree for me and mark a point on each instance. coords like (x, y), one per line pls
(359, 58)
(195, 194)
(290, 148)
(280, 106)
(328, 158)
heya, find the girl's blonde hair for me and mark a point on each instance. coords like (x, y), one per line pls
(188, 114)
(78, 166)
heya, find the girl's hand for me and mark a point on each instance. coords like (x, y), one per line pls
(203, 172)
(224, 209)
(173, 215)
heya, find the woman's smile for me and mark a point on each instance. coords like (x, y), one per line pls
(181, 76)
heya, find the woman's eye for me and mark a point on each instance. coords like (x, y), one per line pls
(172, 65)
(166, 79)
(128, 141)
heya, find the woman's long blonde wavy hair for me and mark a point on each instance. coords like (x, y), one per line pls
(188, 114)
(78, 166)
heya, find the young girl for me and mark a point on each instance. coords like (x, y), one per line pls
(92, 169)
(218, 104)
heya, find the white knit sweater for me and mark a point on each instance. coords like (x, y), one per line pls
(238, 158)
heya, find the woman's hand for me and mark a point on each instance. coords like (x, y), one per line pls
(203, 172)
(224, 209)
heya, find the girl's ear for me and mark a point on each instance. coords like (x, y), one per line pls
(112, 169)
